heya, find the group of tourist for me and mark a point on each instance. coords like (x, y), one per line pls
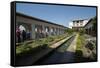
(21, 35)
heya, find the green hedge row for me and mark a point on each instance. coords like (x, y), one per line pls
(37, 45)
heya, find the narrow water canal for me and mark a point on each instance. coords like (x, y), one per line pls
(59, 55)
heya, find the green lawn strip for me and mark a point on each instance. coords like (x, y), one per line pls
(37, 45)
(79, 47)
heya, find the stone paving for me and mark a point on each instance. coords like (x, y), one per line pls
(72, 47)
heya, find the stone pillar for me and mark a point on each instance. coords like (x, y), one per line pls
(33, 31)
(60, 31)
(44, 31)
(55, 31)
(50, 31)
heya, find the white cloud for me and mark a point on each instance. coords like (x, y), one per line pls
(70, 24)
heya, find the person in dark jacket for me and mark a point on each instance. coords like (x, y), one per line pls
(24, 35)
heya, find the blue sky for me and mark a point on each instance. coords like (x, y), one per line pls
(57, 14)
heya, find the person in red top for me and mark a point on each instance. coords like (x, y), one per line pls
(18, 33)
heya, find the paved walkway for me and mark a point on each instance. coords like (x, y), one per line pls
(72, 47)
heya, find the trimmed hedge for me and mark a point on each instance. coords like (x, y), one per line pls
(37, 45)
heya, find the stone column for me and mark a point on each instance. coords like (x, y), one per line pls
(44, 31)
(33, 31)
